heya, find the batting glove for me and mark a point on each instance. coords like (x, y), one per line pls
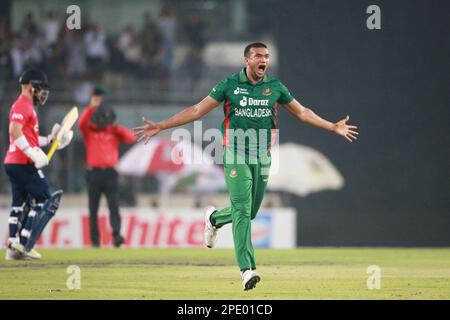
(38, 156)
(66, 138)
(34, 153)
(55, 130)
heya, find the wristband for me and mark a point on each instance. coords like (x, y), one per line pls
(22, 143)
(43, 141)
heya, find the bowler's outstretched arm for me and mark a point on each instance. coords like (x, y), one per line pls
(308, 116)
(187, 115)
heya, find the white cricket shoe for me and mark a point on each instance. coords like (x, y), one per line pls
(11, 251)
(210, 234)
(12, 254)
(33, 254)
(13, 243)
(249, 279)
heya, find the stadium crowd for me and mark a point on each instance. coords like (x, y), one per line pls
(90, 53)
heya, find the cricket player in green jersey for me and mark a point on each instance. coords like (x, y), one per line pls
(251, 100)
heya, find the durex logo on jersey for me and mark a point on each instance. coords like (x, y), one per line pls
(240, 91)
(262, 231)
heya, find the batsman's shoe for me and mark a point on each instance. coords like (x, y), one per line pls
(249, 279)
(210, 233)
(12, 254)
(15, 245)
(32, 254)
(11, 251)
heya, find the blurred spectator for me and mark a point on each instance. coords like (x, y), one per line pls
(195, 29)
(82, 91)
(29, 26)
(5, 49)
(96, 50)
(116, 66)
(150, 65)
(58, 62)
(34, 50)
(5, 59)
(51, 27)
(148, 22)
(116, 58)
(166, 24)
(129, 46)
(152, 54)
(17, 58)
(75, 50)
(126, 38)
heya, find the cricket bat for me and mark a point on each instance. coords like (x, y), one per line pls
(67, 124)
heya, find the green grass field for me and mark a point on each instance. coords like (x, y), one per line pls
(306, 273)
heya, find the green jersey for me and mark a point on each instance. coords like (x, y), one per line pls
(253, 108)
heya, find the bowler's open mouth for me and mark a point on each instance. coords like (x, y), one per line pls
(261, 68)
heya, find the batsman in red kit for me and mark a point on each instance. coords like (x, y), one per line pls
(23, 161)
(102, 138)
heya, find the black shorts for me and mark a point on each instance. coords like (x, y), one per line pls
(25, 180)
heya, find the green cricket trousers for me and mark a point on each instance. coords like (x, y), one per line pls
(246, 183)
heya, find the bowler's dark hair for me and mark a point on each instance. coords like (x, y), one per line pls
(253, 45)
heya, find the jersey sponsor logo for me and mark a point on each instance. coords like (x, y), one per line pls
(243, 102)
(240, 91)
(253, 102)
(267, 91)
(17, 116)
(253, 113)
